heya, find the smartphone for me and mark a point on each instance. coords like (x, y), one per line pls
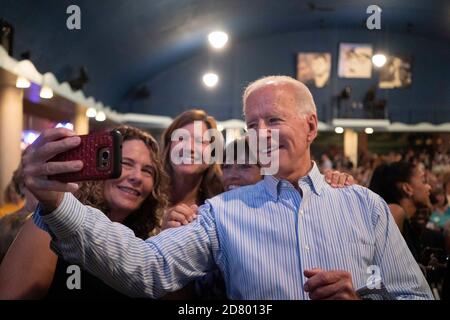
(101, 153)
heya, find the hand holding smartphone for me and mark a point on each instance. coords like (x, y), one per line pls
(101, 153)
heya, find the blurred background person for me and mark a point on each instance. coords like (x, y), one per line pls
(402, 185)
(441, 210)
(11, 223)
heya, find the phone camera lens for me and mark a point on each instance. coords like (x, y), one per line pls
(105, 155)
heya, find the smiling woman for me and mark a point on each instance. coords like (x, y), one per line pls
(30, 270)
(139, 191)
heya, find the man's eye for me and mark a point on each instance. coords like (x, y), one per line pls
(274, 120)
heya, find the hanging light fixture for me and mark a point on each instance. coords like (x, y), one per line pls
(91, 112)
(101, 116)
(22, 82)
(46, 92)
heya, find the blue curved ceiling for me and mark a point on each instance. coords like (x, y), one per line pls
(123, 43)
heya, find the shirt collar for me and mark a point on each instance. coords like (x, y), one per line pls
(313, 180)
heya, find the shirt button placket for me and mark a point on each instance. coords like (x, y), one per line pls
(301, 247)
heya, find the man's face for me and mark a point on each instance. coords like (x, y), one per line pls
(275, 107)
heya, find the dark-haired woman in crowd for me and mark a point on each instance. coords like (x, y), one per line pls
(402, 185)
(137, 199)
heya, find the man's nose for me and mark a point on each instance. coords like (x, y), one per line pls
(263, 130)
(262, 125)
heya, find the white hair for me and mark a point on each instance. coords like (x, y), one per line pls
(305, 101)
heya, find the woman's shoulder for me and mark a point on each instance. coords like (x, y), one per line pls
(397, 210)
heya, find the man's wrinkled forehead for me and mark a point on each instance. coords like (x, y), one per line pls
(272, 95)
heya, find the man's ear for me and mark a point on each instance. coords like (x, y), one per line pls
(407, 189)
(311, 120)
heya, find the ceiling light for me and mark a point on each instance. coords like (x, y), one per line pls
(218, 39)
(339, 130)
(101, 116)
(210, 79)
(379, 60)
(91, 112)
(368, 130)
(46, 93)
(22, 83)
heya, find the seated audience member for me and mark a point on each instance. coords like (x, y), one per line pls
(250, 233)
(136, 199)
(402, 185)
(441, 212)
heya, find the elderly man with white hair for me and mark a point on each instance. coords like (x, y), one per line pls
(290, 236)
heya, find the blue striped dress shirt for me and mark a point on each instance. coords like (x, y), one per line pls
(262, 237)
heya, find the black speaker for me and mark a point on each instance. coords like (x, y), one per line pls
(6, 36)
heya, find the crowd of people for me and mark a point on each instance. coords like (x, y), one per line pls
(223, 230)
(422, 212)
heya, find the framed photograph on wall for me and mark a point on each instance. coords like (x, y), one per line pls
(355, 60)
(396, 73)
(313, 68)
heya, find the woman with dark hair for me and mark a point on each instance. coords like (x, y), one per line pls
(402, 185)
(137, 199)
